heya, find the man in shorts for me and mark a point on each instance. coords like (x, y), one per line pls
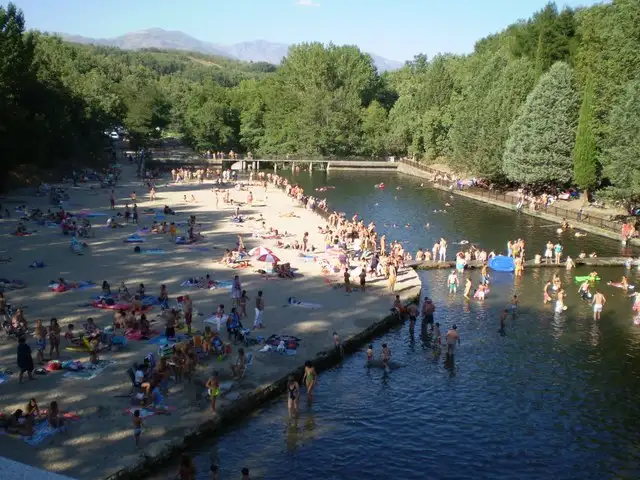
(598, 304)
(453, 338)
(428, 308)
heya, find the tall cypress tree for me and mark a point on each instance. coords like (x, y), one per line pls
(542, 137)
(585, 155)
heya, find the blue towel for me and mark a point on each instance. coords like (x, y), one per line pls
(153, 251)
(162, 340)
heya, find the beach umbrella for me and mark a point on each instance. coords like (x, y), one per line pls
(260, 251)
(269, 258)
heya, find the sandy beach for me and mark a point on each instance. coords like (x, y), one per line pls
(101, 442)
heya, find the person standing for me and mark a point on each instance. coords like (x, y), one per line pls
(25, 360)
(257, 323)
(187, 307)
(428, 309)
(598, 304)
(453, 338)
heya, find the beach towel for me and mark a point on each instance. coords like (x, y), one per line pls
(152, 251)
(146, 412)
(134, 239)
(42, 430)
(292, 302)
(162, 340)
(4, 378)
(81, 285)
(37, 264)
(197, 248)
(137, 335)
(89, 370)
(290, 342)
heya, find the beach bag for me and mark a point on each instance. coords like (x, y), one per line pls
(54, 365)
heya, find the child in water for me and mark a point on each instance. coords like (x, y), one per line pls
(386, 356)
(437, 336)
(369, 353)
(514, 305)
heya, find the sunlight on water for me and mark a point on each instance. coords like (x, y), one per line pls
(557, 396)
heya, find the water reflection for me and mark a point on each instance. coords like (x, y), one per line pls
(557, 397)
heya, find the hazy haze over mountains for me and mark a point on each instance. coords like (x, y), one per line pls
(255, 51)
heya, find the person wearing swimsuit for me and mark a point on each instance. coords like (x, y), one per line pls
(310, 379)
(293, 389)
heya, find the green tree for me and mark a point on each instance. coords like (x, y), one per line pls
(542, 137)
(585, 161)
(374, 130)
(621, 158)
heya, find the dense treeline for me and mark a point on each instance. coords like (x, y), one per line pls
(553, 99)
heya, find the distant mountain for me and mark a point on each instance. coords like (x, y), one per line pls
(255, 51)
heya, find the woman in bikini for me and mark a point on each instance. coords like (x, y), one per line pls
(293, 390)
(40, 335)
(243, 304)
(310, 379)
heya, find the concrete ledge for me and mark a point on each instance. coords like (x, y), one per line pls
(362, 165)
(246, 404)
(409, 170)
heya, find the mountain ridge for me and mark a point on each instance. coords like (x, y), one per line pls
(249, 51)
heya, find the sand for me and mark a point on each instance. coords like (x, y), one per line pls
(101, 443)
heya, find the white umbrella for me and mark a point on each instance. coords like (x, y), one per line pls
(269, 258)
(260, 251)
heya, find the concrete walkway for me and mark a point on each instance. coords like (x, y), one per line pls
(101, 443)
(10, 470)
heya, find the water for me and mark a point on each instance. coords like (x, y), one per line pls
(556, 397)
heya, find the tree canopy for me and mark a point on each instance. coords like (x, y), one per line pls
(495, 113)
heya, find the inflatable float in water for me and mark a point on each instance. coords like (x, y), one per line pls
(379, 185)
(500, 263)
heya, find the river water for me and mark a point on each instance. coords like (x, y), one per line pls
(556, 397)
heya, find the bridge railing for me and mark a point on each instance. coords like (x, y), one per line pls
(573, 216)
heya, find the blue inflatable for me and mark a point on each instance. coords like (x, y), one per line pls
(501, 263)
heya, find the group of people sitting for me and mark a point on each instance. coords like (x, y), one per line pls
(21, 422)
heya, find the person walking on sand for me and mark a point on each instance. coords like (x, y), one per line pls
(257, 322)
(393, 277)
(25, 360)
(187, 308)
(137, 427)
(598, 304)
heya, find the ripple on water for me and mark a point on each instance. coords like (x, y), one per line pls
(557, 397)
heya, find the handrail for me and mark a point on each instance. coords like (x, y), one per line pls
(505, 197)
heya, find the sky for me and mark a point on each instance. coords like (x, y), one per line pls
(394, 29)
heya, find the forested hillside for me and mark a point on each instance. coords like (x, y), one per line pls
(555, 98)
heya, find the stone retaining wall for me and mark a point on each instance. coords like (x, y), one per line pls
(241, 407)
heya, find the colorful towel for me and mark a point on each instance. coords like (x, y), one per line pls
(81, 285)
(42, 430)
(146, 412)
(162, 340)
(292, 302)
(137, 335)
(90, 370)
(290, 342)
(4, 378)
